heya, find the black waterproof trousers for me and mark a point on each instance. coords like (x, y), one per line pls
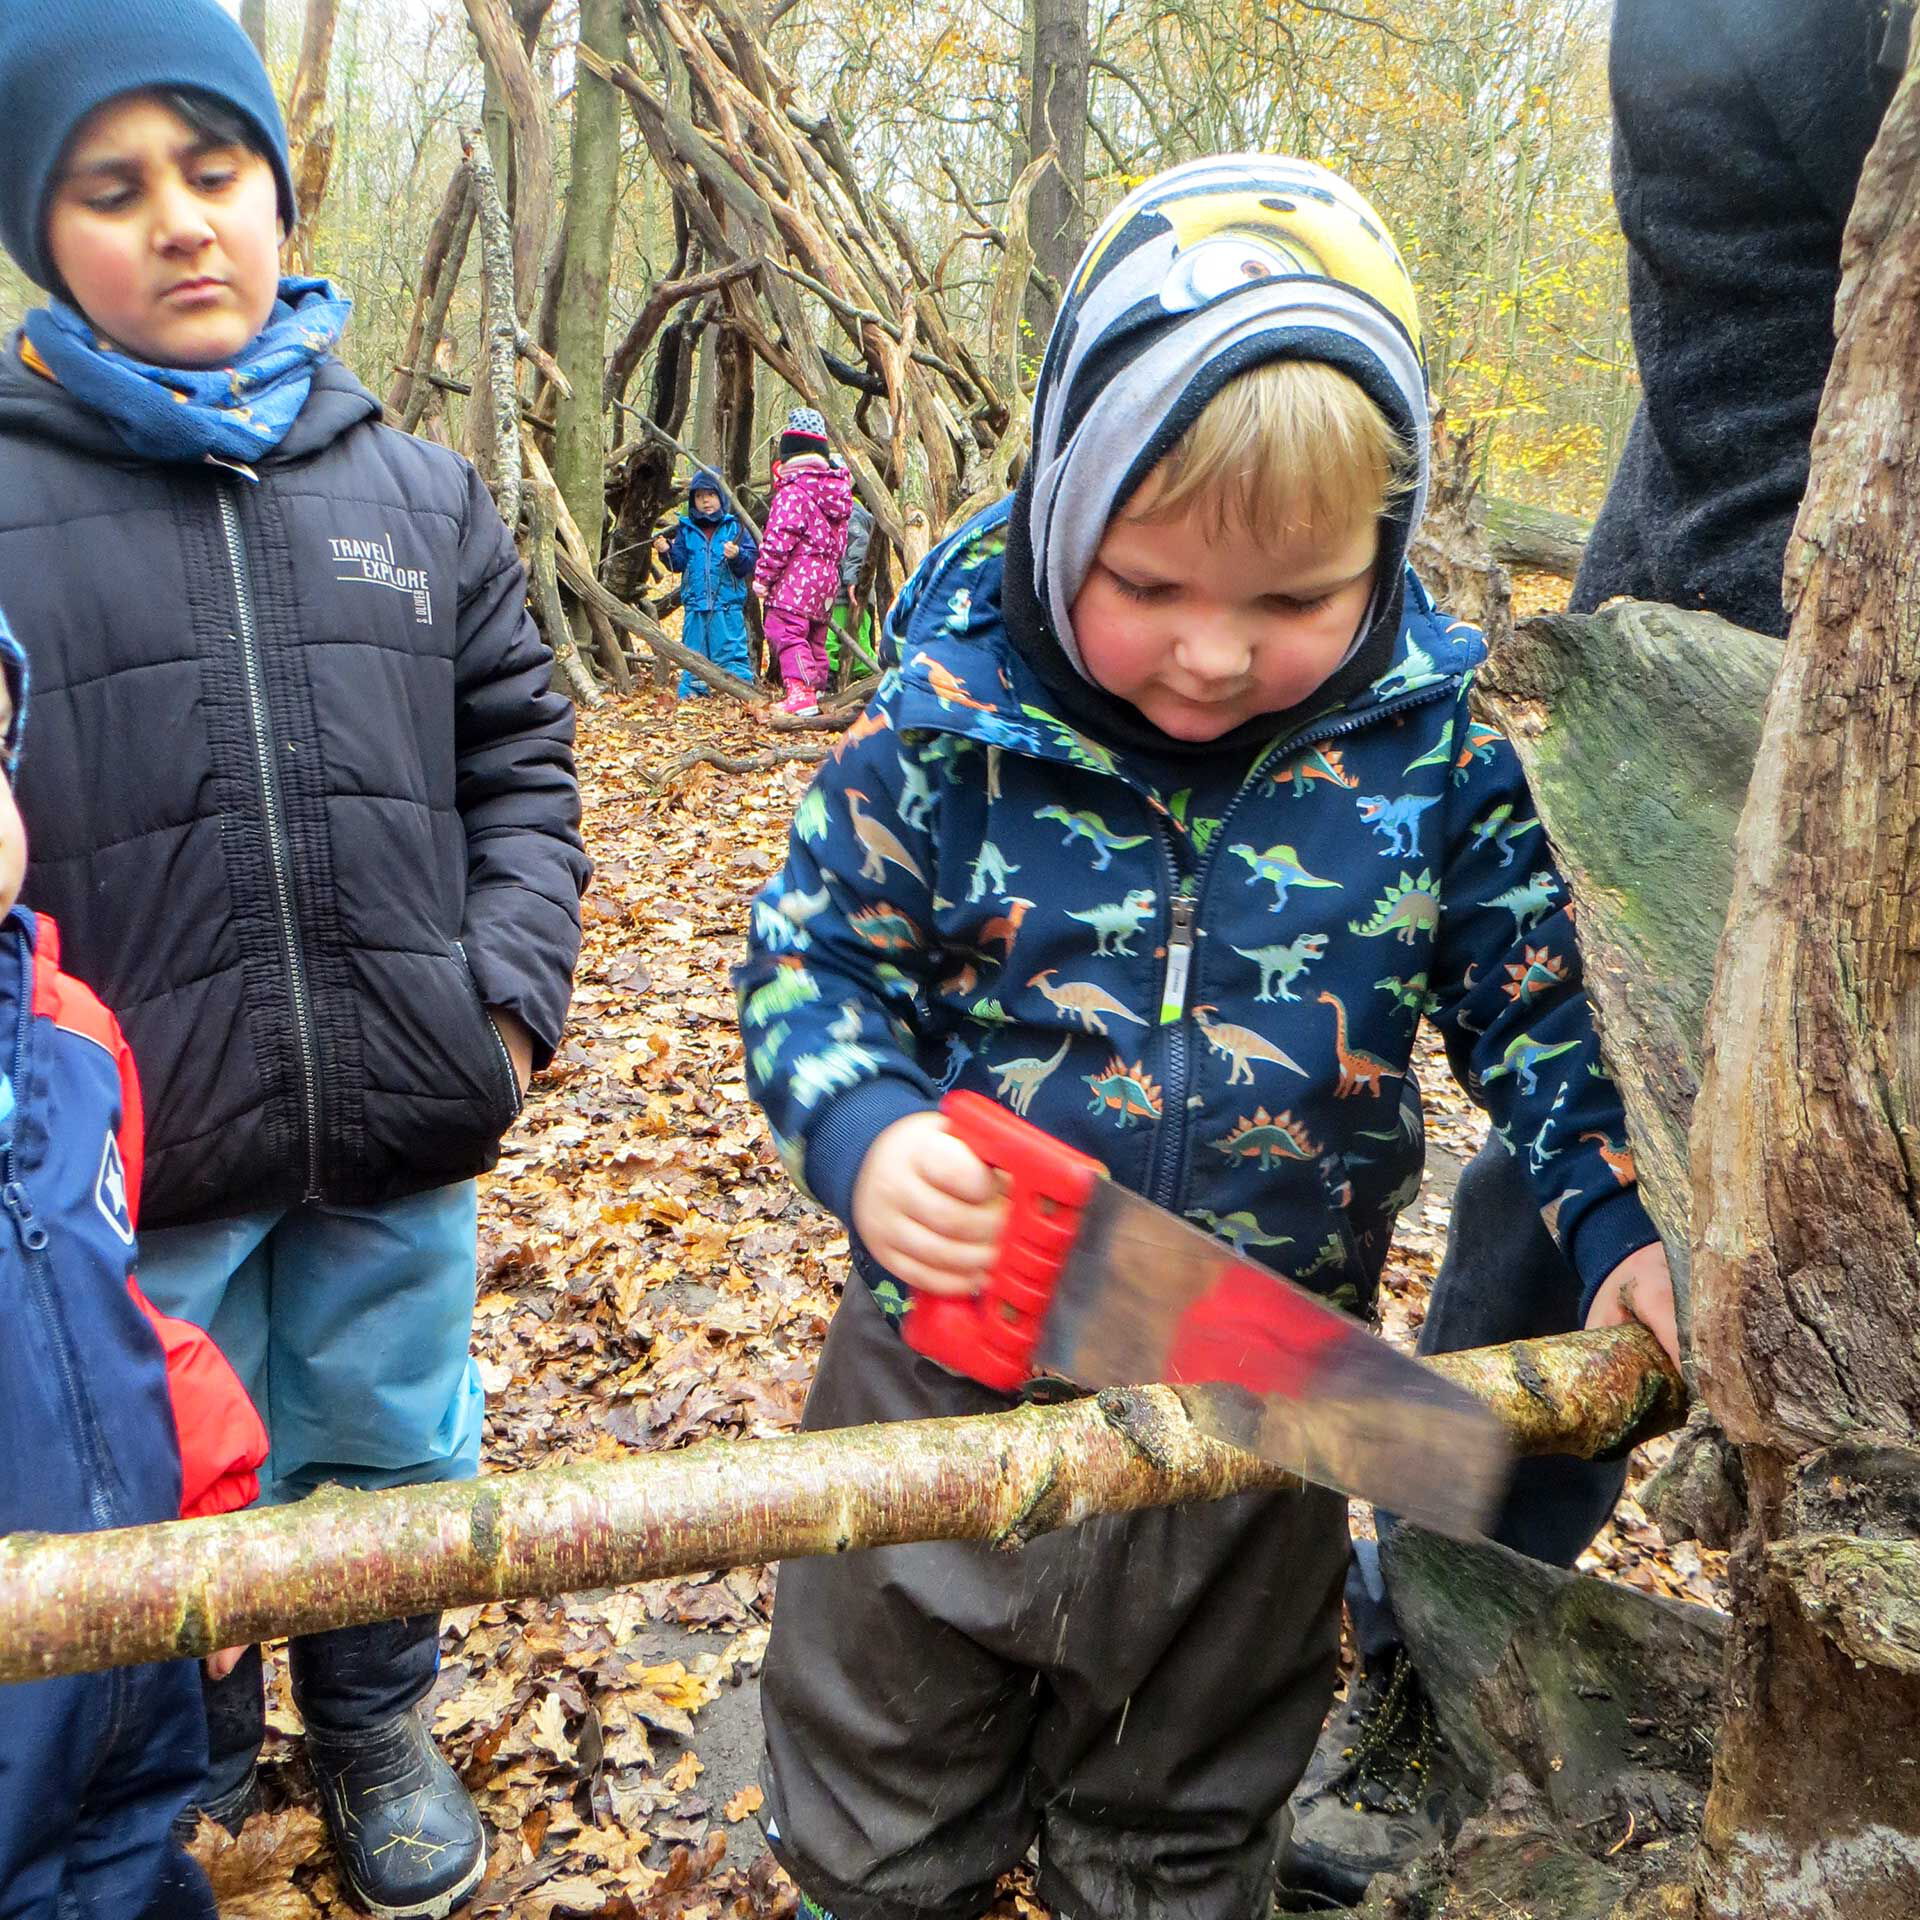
(1138, 1694)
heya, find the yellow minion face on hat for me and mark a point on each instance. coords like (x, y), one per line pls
(1242, 217)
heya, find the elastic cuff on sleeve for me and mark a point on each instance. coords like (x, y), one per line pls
(1604, 1236)
(838, 1141)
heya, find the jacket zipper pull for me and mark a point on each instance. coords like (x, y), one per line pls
(1173, 998)
(18, 1204)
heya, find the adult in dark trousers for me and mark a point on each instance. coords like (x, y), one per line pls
(1740, 130)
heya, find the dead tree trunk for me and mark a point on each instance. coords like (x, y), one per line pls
(579, 426)
(531, 198)
(1807, 1155)
(1054, 121)
(1805, 1275)
(309, 131)
(73, 1602)
(440, 269)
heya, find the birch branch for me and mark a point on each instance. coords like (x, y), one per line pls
(73, 1603)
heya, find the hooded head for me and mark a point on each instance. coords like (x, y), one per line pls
(61, 60)
(1204, 274)
(708, 482)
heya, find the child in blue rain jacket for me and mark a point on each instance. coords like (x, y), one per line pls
(111, 1415)
(1170, 825)
(713, 555)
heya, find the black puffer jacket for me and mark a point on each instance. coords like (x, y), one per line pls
(1741, 129)
(299, 794)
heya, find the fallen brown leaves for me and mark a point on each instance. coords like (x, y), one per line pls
(648, 1277)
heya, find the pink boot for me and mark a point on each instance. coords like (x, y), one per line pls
(800, 700)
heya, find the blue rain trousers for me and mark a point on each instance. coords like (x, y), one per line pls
(718, 634)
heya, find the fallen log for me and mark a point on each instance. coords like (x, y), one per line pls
(1534, 538)
(74, 1603)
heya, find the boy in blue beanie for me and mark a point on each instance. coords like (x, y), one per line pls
(713, 554)
(110, 1416)
(1168, 826)
(334, 877)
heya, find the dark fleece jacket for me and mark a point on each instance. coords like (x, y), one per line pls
(1742, 126)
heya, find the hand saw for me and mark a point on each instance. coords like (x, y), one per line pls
(1095, 1284)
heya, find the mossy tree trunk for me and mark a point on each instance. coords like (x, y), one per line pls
(1806, 1153)
(1798, 1180)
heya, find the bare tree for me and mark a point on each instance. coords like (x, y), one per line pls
(1054, 122)
(579, 428)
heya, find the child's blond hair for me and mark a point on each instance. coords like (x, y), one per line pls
(1288, 447)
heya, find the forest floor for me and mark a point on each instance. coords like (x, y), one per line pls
(649, 1278)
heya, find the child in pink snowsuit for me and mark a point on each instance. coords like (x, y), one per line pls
(798, 572)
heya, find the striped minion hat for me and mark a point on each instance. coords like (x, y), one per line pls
(1206, 271)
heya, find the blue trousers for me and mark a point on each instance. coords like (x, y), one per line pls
(93, 1769)
(1502, 1279)
(351, 1328)
(718, 634)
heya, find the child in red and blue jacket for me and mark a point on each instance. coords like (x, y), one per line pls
(111, 1415)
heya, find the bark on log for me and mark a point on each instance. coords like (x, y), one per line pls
(1638, 728)
(1806, 1258)
(1596, 1693)
(75, 1603)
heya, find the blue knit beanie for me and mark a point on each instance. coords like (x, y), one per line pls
(60, 59)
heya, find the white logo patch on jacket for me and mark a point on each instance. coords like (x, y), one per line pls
(371, 563)
(110, 1192)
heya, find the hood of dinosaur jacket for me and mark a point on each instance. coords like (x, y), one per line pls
(1202, 274)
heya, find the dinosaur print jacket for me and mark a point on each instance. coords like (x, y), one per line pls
(1214, 990)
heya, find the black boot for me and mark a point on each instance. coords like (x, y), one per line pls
(1380, 1790)
(406, 1833)
(236, 1726)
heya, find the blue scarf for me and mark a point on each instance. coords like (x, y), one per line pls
(228, 414)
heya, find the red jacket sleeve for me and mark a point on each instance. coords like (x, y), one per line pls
(221, 1437)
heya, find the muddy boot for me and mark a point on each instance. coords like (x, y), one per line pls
(406, 1834)
(1380, 1790)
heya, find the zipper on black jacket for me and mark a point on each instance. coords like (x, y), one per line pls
(33, 1242)
(279, 853)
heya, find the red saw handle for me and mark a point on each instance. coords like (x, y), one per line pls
(990, 1336)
